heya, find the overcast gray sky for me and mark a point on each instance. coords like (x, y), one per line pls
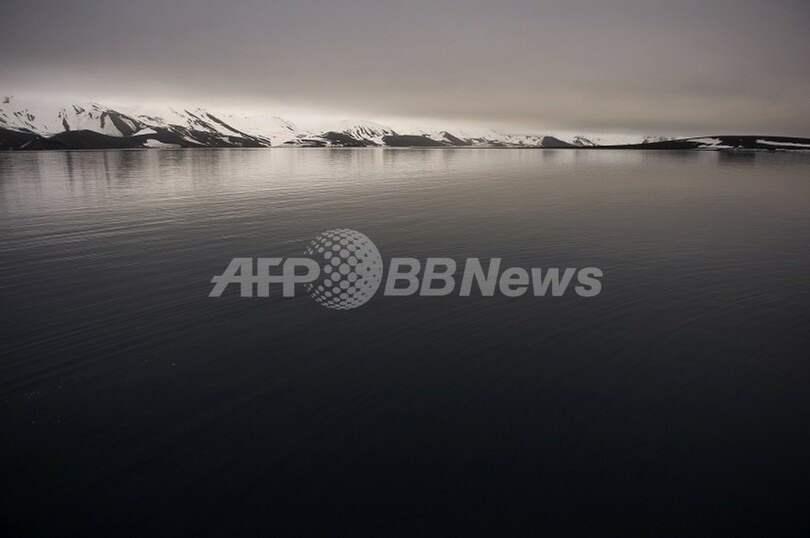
(636, 66)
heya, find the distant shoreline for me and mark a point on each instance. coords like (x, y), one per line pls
(12, 140)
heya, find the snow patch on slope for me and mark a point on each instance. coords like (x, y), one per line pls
(710, 143)
(782, 144)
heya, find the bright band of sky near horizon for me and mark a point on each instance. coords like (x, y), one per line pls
(652, 66)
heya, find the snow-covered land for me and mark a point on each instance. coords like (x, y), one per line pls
(35, 124)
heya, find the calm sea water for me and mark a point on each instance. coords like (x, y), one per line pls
(676, 400)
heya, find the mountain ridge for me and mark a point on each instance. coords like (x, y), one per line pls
(89, 125)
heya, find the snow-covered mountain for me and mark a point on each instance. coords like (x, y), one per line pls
(93, 125)
(26, 124)
(615, 140)
(48, 119)
(368, 131)
(265, 130)
(90, 125)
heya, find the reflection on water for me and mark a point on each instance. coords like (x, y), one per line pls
(127, 390)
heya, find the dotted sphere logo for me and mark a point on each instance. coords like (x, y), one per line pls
(351, 269)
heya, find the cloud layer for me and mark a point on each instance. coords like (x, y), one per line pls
(648, 66)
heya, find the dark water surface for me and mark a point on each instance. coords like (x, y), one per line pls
(675, 401)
